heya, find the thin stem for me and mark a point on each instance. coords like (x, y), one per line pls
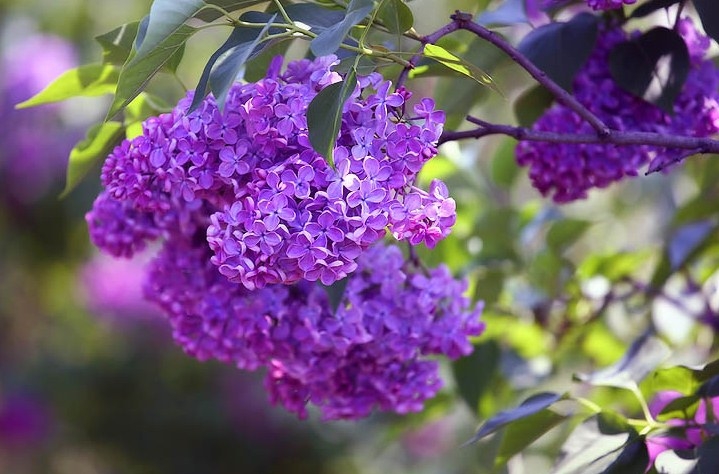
(282, 11)
(693, 145)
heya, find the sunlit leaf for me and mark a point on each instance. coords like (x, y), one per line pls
(455, 63)
(643, 356)
(89, 80)
(324, 115)
(99, 141)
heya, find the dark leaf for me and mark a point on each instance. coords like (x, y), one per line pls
(633, 459)
(560, 49)
(324, 115)
(335, 293)
(710, 388)
(680, 408)
(117, 44)
(317, 18)
(521, 433)
(475, 373)
(396, 16)
(330, 40)
(137, 72)
(708, 11)
(653, 67)
(708, 462)
(531, 104)
(99, 141)
(509, 12)
(84, 81)
(652, 6)
(530, 406)
(686, 240)
(594, 445)
(643, 356)
(211, 14)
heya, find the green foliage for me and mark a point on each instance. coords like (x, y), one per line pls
(88, 81)
(396, 16)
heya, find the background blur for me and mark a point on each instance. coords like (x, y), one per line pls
(90, 381)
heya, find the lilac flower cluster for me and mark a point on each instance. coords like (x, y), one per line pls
(695, 430)
(281, 213)
(568, 171)
(30, 162)
(609, 4)
(370, 353)
(251, 217)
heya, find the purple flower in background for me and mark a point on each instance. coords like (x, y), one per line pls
(30, 161)
(609, 4)
(568, 171)
(25, 420)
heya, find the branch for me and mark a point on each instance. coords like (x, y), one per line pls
(693, 145)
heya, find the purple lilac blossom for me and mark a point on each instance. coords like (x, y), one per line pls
(689, 434)
(568, 171)
(31, 161)
(25, 420)
(372, 353)
(281, 214)
(609, 4)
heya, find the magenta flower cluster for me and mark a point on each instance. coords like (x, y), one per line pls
(687, 434)
(251, 216)
(609, 4)
(370, 353)
(567, 171)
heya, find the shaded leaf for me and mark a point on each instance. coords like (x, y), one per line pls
(324, 115)
(137, 72)
(396, 16)
(531, 104)
(594, 445)
(509, 12)
(530, 406)
(680, 408)
(643, 356)
(455, 63)
(710, 388)
(565, 232)
(211, 14)
(521, 433)
(708, 11)
(99, 141)
(475, 373)
(504, 167)
(653, 67)
(652, 6)
(560, 49)
(224, 65)
(708, 462)
(84, 81)
(117, 44)
(686, 240)
(328, 41)
(633, 459)
(335, 292)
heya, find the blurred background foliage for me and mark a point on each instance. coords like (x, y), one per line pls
(90, 381)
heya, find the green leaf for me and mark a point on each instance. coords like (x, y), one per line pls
(166, 18)
(138, 71)
(652, 6)
(396, 16)
(335, 292)
(521, 433)
(84, 81)
(643, 356)
(563, 233)
(324, 115)
(633, 459)
(145, 105)
(530, 406)
(531, 104)
(475, 374)
(708, 11)
(117, 44)
(653, 67)
(504, 168)
(211, 14)
(455, 63)
(328, 41)
(560, 49)
(594, 445)
(99, 141)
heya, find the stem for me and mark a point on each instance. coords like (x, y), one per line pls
(284, 14)
(693, 145)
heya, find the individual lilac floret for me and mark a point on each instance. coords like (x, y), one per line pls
(567, 171)
(369, 355)
(281, 214)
